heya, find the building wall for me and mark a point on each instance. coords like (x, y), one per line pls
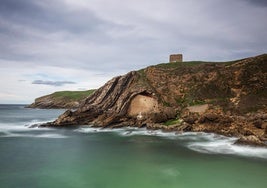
(176, 58)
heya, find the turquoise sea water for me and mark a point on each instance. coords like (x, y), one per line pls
(126, 158)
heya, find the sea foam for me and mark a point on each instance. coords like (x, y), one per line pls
(26, 130)
(46, 135)
(225, 145)
(208, 143)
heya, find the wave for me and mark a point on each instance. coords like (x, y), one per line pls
(127, 131)
(36, 122)
(22, 126)
(132, 131)
(147, 132)
(225, 145)
(87, 129)
(45, 135)
(208, 143)
(27, 130)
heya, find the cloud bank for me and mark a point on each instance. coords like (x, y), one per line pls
(59, 38)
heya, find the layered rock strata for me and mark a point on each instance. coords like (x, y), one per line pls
(227, 98)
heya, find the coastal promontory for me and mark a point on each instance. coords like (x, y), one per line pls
(228, 98)
(61, 99)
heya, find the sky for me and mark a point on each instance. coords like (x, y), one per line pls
(55, 45)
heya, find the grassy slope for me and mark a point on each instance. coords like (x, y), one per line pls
(61, 99)
(213, 93)
(72, 95)
(191, 63)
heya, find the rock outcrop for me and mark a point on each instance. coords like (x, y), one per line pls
(114, 104)
(227, 98)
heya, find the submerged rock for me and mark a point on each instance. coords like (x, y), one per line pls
(250, 140)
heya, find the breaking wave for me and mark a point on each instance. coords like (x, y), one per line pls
(45, 135)
(208, 143)
(27, 130)
(225, 145)
(197, 141)
(127, 131)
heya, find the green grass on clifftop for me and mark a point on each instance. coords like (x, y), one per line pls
(178, 64)
(72, 95)
(193, 63)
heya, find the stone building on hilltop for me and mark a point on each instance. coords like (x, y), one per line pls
(176, 58)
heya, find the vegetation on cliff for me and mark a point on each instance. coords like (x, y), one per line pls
(61, 99)
(228, 98)
(238, 86)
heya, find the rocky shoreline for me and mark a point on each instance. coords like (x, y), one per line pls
(244, 128)
(225, 98)
(251, 130)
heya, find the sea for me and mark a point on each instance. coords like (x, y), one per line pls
(86, 157)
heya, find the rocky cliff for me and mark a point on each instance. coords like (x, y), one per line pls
(228, 98)
(61, 99)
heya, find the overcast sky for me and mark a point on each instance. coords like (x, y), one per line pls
(52, 45)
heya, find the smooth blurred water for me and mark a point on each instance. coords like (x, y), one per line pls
(132, 158)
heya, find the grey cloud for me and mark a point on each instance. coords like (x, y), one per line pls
(26, 27)
(49, 15)
(52, 83)
(258, 2)
(17, 7)
(49, 32)
(114, 37)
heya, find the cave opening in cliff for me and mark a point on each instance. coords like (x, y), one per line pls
(143, 103)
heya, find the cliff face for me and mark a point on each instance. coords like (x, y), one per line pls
(114, 104)
(238, 87)
(228, 98)
(61, 99)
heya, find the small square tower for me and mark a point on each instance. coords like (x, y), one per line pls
(176, 58)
